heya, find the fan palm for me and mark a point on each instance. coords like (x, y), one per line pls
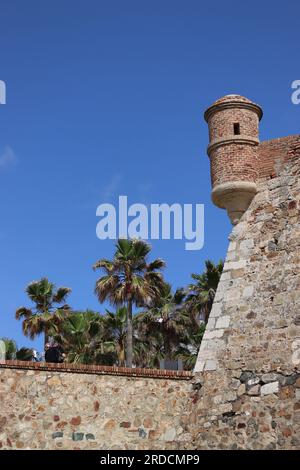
(202, 292)
(129, 279)
(165, 324)
(47, 314)
(11, 351)
(79, 336)
(9, 348)
(115, 327)
(24, 354)
(188, 352)
(115, 334)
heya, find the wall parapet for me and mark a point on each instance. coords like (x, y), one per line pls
(275, 154)
(97, 369)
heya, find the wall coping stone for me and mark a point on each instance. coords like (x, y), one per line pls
(97, 369)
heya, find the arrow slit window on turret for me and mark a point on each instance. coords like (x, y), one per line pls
(236, 128)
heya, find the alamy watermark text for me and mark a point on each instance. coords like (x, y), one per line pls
(160, 221)
(2, 92)
(296, 94)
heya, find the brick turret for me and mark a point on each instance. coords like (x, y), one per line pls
(233, 123)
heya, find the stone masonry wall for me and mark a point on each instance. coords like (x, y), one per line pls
(52, 409)
(248, 364)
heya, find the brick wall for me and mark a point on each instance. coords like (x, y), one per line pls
(221, 123)
(274, 154)
(243, 162)
(234, 162)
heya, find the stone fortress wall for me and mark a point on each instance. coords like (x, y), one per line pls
(249, 359)
(245, 390)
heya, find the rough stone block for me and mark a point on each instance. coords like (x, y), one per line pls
(213, 345)
(169, 435)
(216, 310)
(246, 245)
(254, 390)
(199, 367)
(253, 381)
(269, 388)
(77, 436)
(223, 322)
(226, 276)
(213, 334)
(211, 323)
(234, 265)
(248, 291)
(232, 246)
(211, 365)
(230, 396)
(142, 433)
(269, 377)
(232, 256)
(238, 231)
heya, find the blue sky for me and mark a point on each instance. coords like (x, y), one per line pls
(107, 98)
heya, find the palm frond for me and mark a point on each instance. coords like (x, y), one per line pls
(23, 312)
(104, 264)
(61, 294)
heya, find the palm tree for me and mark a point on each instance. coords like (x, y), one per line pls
(80, 335)
(24, 354)
(129, 280)
(201, 293)
(9, 348)
(115, 327)
(165, 324)
(11, 351)
(47, 313)
(115, 334)
(188, 352)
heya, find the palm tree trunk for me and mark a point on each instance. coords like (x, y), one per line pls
(46, 338)
(167, 349)
(129, 349)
